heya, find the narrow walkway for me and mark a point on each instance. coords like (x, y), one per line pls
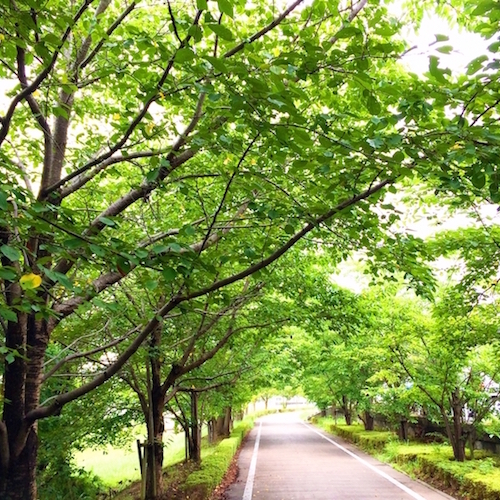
(286, 459)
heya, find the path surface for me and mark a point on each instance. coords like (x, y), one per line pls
(286, 459)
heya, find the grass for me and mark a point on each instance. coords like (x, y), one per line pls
(477, 479)
(119, 466)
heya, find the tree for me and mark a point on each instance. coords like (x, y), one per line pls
(143, 145)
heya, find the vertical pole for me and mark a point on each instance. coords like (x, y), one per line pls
(142, 464)
(151, 462)
(195, 434)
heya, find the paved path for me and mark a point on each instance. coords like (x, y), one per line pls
(286, 459)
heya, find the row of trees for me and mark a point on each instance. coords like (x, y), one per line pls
(157, 162)
(387, 352)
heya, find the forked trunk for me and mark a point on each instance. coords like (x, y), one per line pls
(454, 429)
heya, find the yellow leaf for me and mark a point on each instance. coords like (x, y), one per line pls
(30, 281)
(116, 116)
(276, 52)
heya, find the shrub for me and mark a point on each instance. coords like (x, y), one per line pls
(214, 466)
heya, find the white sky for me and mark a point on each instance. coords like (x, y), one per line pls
(466, 46)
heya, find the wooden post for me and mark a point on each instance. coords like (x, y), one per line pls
(142, 465)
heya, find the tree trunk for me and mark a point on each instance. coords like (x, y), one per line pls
(155, 424)
(219, 426)
(22, 384)
(194, 439)
(454, 429)
(459, 441)
(368, 421)
(228, 421)
(20, 483)
(403, 429)
(211, 430)
(346, 410)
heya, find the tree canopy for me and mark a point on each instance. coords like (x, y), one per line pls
(154, 156)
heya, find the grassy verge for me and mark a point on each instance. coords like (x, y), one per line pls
(213, 467)
(477, 479)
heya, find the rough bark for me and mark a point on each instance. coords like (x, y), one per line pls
(368, 420)
(195, 430)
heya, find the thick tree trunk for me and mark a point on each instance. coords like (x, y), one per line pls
(454, 429)
(219, 426)
(22, 384)
(20, 482)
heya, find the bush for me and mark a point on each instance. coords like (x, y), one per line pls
(214, 466)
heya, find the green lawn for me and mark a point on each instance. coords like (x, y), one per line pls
(118, 466)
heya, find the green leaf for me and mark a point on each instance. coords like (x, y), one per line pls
(188, 230)
(201, 4)
(445, 49)
(435, 71)
(373, 105)
(152, 175)
(64, 280)
(348, 32)
(484, 7)
(151, 285)
(7, 273)
(221, 31)
(8, 314)
(302, 137)
(216, 63)
(107, 221)
(478, 180)
(476, 64)
(11, 253)
(169, 274)
(184, 55)
(441, 38)
(3, 201)
(398, 156)
(226, 7)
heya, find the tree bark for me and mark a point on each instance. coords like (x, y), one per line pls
(228, 420)
(155, 424)
(346, 410)
(454, 429)
(403, 429)
(368, 421)
(195, 440)
(22, 382)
